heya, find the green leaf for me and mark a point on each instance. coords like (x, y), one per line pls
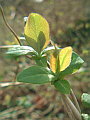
(76, 63)
(20, 50)
(85, 117)
(48, 50)
(86, 99)
(65, 58)
(42, 61)
(63, 86)
(37, 32)
(35, 75)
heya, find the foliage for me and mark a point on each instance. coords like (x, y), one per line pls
(37, 32)
(86, 102)
(62, 61)
(86, 99)
(63, 16)
(35, 75)
(20, 50)
(49, 68)
(86, 117)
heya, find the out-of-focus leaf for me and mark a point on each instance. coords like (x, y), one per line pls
(65, 58)
(37, 32)
(63, 86)
(76, 63)
(7, 100)
(86, 117)
(35, 75)
(21, 50)
(86, 99)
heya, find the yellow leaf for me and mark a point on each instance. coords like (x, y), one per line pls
(37, 32)
(65, 57)
(53, 63)
(54, 60)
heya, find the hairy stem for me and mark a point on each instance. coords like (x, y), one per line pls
(75, 101)
(68, 109)
(73, 108)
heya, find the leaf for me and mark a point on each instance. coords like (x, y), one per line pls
(63, 86)
(86, 99)
(37, 32)
(35, 75)
(54, 60)
(48, 50)
(86, 117)
(42, 61)
(53, 63)
(76, 63)
(20, 50)
(65, 57)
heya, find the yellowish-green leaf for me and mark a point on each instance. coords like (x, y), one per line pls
(65, 57)
(54, 60)
(37, 32)
(53, 63)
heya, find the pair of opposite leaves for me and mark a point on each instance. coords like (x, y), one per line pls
(37, 35)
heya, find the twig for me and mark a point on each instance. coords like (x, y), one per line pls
(8, 26)
(10, 110)
(47, 110)
(9, 84)
(9, 113)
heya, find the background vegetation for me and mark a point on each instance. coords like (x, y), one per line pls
(70, 26)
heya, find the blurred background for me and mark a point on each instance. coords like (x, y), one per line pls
(69, 26)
